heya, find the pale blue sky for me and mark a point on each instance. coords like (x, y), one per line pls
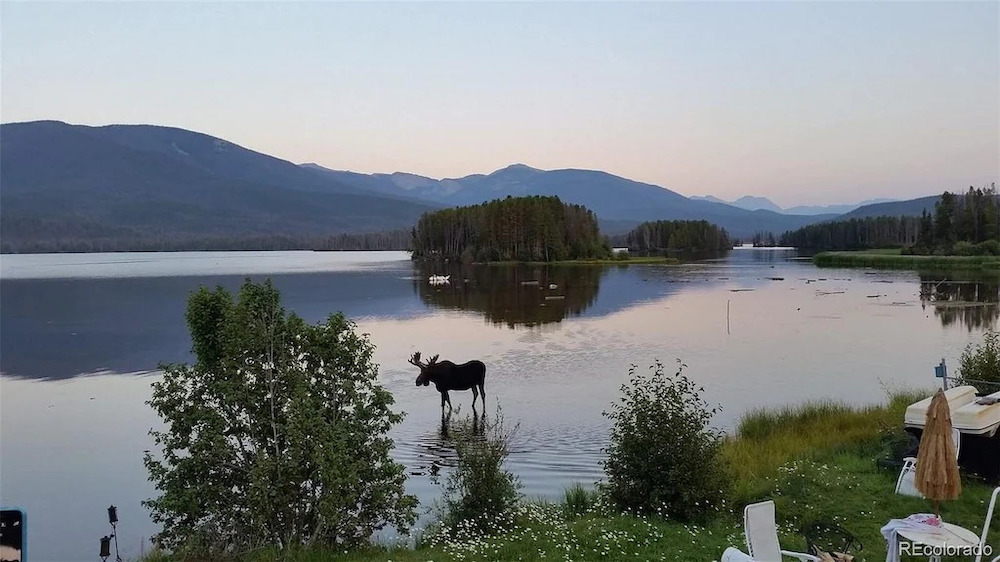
(800, 102)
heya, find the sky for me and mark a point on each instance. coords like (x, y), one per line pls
(801, 102)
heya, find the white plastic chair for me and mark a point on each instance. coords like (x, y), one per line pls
(735, 555)
(986, 525)
(762, 535)
(905, 483)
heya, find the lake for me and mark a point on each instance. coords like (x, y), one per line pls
(81, 336)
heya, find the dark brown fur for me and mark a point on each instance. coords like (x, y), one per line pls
(448, 376)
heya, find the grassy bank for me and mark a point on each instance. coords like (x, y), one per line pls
(817, 462)
(892, 259)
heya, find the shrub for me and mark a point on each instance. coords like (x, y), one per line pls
(622, 256)
(275, 437)
(964, 248)
(989, 248)
(663, 458)
(479, 491)
(981, 363)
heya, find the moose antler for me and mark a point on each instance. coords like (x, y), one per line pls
(415, 360)
(433, 360)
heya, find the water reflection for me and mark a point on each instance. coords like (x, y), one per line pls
(437, 448)
(974, 304)
(513, 295)
(764, 255)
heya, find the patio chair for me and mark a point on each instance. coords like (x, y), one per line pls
(762, 535)
(986, 526)
(905, 483)
(735, 555)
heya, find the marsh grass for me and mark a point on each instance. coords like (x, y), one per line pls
(578, 500)
(766, 439)
(895, 261)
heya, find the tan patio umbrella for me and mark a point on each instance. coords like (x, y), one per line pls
(937, 475)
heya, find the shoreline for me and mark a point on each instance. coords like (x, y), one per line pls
(884, 260)
(787, 454)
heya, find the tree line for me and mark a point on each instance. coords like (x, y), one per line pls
(855, 234)
(677, 236)
(535, 228)
(369, 241)
(965, 223)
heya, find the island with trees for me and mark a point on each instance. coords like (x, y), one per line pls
(515, 229)
(677, 237)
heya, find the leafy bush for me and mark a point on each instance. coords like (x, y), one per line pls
(989, 248)
(963, 248)
(663, 457)
(622, 256)
(275, 437)
(479, 491)
(982, 363)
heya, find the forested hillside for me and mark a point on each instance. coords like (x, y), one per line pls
(958, 223)
(369, 241)
(138, 187)
(513, 229)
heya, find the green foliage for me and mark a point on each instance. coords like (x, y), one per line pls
(663, 458)
(903, 261)
(276, 436)
(960, 223)
(988, 248)
(840, 482)
(766, 439)
(855, 234)
(42, 237)
(964, 248)
(479, 491)
(578, 500)
(677, 236)
(512, 229)
(982, 362)
(623, 256)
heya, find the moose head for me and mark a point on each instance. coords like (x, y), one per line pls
(424, 378)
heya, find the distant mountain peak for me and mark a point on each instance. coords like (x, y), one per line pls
(517, 168)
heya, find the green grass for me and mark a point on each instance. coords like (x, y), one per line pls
(816, 461)
(768, 438)
(887, 260)
(883, 251)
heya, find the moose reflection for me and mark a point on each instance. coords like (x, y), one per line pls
(974, 304)
(448, 376)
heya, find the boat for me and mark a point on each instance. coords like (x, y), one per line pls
(439, 279)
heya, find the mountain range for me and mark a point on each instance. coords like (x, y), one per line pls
(614, 199)
(142, 182)
(752, 203)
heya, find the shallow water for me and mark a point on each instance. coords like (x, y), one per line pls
(81, 336)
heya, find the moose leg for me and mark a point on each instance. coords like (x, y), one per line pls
(448, 400)
(444, 399)
(475, 394)
(482, 392)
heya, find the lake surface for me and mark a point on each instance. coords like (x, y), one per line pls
(81, 336)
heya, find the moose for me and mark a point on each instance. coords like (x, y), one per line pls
(449, 376)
